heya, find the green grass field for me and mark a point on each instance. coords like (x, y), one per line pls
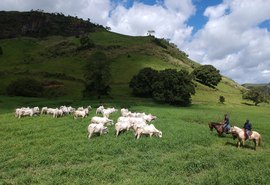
(46, 150)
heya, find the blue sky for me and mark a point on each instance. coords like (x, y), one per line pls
(232, 35)
(198, 20)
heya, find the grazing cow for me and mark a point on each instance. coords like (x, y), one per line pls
(148, 130)
(94, 128)
(122, 126)
(101, 120)
(99, 109)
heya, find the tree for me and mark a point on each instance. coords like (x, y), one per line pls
(207, 75)
(108, 28)
(150, 32)
(257, 95)
(1, 51)
(221, 99)
(97, 75)
(141, 84)
(174, 87)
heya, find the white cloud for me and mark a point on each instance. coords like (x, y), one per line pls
(168, 19)
(96, 10)
(232, 41)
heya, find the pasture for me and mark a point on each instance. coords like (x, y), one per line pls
(47, 150)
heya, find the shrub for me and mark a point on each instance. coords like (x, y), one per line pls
(221, 99)
(207, 75)
(25, 87)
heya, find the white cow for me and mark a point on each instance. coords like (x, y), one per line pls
(122, 126)
(101, 120)
(44, 110)
(108, 111)
(26, 111)
(148, 130)
(94, 128)
(80, 113)
(58, 113)
(99, 109)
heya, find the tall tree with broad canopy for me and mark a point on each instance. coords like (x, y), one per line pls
(174, 87)
(207, 75)
(257, 95)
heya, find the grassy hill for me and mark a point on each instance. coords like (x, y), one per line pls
(56, 58)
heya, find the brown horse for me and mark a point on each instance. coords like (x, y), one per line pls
(217, 126)
(255, 136)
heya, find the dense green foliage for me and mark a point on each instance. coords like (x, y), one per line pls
(41, 24)
(207, 75)
(174, 87)
(1, 51)
(45, 150)
(257, 95)
(168, 86)
(25, 87)
(142, 83)
(97, 75)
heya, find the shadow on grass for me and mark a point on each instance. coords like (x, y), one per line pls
(248, 104)
(234, 144)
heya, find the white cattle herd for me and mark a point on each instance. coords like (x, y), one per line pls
(139, 123)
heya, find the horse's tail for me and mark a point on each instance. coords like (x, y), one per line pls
(260, 141)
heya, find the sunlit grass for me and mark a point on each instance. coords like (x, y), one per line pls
(44, 150)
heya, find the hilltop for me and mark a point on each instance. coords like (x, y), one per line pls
(45, 46)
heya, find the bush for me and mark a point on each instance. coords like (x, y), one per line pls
(142, 83)
(25, 87)
(221, 99)
(207, 75)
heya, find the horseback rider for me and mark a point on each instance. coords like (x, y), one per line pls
(247, 127)
(226, 124)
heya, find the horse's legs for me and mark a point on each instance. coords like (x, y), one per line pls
(238, 143)
(243, 142)
(255, 144)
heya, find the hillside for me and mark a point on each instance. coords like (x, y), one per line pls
(40, 24)
(54, 58)
(266, 86)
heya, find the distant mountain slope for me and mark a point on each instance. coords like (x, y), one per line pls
(250, 85)
(40, 24)
(55, 59)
